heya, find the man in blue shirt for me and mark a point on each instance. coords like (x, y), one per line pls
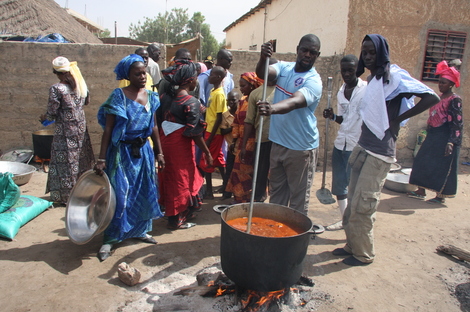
(224, 59)
(293, 129)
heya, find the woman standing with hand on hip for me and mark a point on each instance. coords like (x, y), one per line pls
(128, 119)
(435, 166)
(71, 151)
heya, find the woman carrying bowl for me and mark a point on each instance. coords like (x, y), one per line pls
(71, 151)
(128, 119)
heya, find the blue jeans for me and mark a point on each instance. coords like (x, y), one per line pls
(341, 172)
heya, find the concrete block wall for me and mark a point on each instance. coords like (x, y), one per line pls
(26, 76)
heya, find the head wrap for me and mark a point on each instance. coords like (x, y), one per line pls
(252, 79)
(209, 60)
(203, 67)
(123, 67)
(383, 57)
(63, 65)
(450, 73)
(180, 73)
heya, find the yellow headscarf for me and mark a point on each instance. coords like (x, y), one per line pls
(62, 65)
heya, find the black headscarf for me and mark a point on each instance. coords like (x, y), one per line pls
(179, 74)
(383, 57)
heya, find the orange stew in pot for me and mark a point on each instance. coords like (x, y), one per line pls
(264, 227)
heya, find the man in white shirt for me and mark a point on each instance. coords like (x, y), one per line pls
(349, 97)
(153, 68)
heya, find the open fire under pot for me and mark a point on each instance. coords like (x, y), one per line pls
(262, 263)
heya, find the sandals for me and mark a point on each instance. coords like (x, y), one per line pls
(105, 252)
(148, 239)
(180, 226)
(436, 200)
(415, 195)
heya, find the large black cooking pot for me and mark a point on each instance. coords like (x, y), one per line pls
(265, 263)
(42, 143)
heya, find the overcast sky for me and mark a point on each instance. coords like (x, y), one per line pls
(218, 13)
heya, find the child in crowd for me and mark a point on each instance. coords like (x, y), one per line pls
(214, 139)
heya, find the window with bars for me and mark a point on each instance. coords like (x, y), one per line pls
(441, 45)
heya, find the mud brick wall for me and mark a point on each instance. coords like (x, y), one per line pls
(26, 75)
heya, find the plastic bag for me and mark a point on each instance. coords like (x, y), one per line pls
(27, 208)
(9, 191)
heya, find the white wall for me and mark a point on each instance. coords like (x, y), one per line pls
(289, 20)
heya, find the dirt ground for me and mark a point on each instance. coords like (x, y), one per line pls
(42, 270)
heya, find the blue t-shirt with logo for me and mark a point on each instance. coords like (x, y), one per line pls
(296, 130)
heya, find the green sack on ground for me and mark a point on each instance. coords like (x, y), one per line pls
(9, 191)
(27, 208)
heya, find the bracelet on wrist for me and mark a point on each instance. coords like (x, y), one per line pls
(450, 143)
(101, 160)
(334, 117)
(160, 155)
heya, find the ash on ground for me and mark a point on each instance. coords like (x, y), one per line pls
(183, 293)
(457, 280)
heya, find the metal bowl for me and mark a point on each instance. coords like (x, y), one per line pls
(22, 173)
(395, 167)
(398, 182)
(22, 155)
(406, 171)
(90, 207)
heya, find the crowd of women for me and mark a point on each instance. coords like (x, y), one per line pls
(133, 142)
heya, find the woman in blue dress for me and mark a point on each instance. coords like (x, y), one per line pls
(128, 119)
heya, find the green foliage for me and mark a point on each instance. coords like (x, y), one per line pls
(105, 34)
(173, 27)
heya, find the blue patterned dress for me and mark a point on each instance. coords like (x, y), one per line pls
(133, 179)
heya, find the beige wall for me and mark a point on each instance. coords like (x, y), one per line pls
(27, 75)
(406, 31)
(287, 21)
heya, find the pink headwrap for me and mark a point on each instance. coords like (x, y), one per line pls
(449, 73)
(203, 67)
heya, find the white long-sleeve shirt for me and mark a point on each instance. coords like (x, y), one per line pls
(350, 128)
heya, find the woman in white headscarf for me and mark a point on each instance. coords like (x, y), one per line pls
(71, 152)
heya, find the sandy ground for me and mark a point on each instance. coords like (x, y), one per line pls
(42, 270)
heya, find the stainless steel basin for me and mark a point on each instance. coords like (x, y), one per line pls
(90, 207)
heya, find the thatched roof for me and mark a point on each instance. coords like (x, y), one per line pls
(32, 18)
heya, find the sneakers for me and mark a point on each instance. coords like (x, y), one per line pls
(335, 226)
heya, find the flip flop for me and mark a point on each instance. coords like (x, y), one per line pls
(105, 252)
(181, 226)
(148, 239)
(415, 195)
(435, 201)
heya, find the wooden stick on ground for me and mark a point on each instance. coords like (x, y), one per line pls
(457, 252)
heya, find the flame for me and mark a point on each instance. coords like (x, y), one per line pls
(220, 292)
(222, 289)
(261, 298)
